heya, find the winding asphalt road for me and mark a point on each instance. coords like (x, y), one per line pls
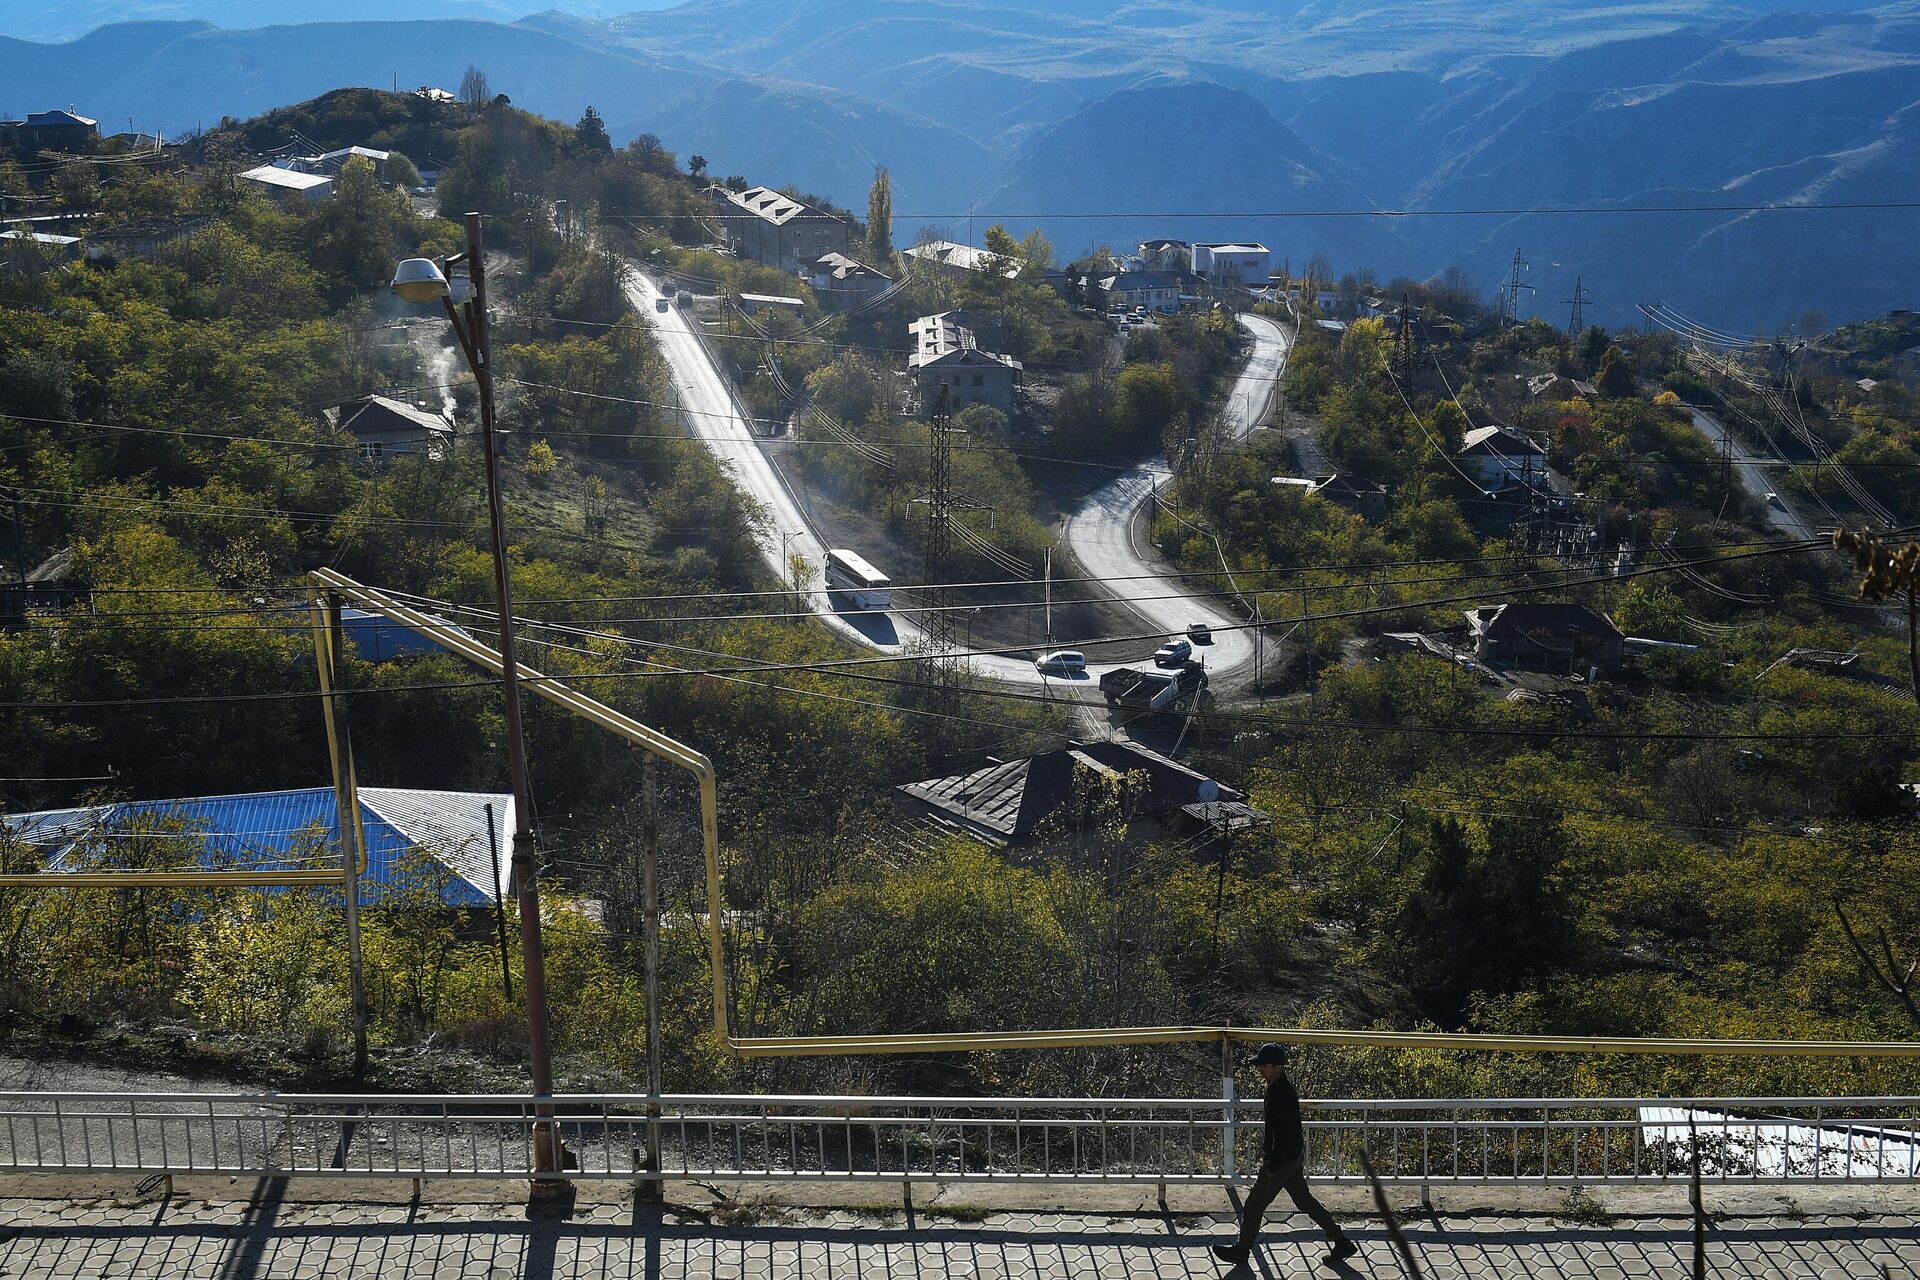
(1101, 533)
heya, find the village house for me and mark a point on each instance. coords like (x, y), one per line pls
(51, 584)
(382, 427)
(57, 131)
(1166, 255)
(467, 836)
(1353, 493)
(1500, 458)
(1242, 263)
(1552, 637)
(946, 354)
(1154, 290)
(142, 237)
(331, 162)
(36, 252)
(1006, 802)
(776, 229)
(958, 259)
(1551, 386)
(289, 185)
(841, 283)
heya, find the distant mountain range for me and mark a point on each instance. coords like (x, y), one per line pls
(1289, 121)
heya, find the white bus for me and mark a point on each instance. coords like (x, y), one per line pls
(849, 575)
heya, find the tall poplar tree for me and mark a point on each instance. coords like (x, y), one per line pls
(880, 220)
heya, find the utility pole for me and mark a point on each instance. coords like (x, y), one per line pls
(1576, 320)
(939, 623)
(19, 548)
(1510, 294)
(548, 1155)
(1048, 572)
(1403, 341)
(941, 504)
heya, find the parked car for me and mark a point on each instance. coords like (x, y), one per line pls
(1173, 652)
(669, 288)
(1199, 633)
(661, 304)
(1062, 662)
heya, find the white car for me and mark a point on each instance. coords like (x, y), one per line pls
(1062, 662)
(1199, 633)
(1173, 652)
(1773, 500)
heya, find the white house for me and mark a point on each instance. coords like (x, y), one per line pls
(958, 259)
(1241, 262)
(285, 184)
(1501, 457)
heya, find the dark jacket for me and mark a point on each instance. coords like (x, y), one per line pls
(1284, 1138)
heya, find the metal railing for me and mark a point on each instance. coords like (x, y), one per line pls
(823, 1138)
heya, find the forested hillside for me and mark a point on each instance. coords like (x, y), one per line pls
(1704, 838)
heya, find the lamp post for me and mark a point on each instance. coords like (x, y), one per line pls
(422, 280)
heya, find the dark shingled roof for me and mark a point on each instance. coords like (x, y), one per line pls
(1008, 800)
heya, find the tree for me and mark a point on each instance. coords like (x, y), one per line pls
(475, 93)
(1615, 378)
(402, 172)
(1593, 347)
(1486, 916)
(880, 219)
(1037, 250)
(697, 167)
(591, 134)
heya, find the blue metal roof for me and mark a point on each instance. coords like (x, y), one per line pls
(278, 830)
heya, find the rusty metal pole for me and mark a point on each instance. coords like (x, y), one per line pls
(329, 653)
(547, 1152)
(652, 1190)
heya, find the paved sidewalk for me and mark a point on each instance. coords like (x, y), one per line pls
(230, 1237)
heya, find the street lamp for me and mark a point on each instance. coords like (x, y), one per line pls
(424, 281)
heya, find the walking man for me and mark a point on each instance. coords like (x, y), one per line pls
(1282, 1166)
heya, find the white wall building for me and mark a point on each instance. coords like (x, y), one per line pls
(1241, 262)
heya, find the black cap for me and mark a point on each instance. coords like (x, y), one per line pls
(1270, 1054)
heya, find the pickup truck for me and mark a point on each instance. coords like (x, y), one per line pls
(1151, 690)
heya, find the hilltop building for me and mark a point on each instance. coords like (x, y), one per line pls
(1242, 262)
(959, 259)
(1165, 255)
(841, 283)
(330, 163)
(946, 354)
(1154, 290)
(283, 830)
(56, 131)
(776, 229)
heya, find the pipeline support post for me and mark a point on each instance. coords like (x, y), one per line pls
(651, 1190)
(329, 652)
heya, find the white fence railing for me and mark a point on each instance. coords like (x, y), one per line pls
(803, 1138)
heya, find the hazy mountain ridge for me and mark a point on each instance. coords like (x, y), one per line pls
(1015, 107)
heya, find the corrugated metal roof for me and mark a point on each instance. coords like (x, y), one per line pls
(280, 830)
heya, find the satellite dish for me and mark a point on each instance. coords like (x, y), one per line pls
(1209, 791)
